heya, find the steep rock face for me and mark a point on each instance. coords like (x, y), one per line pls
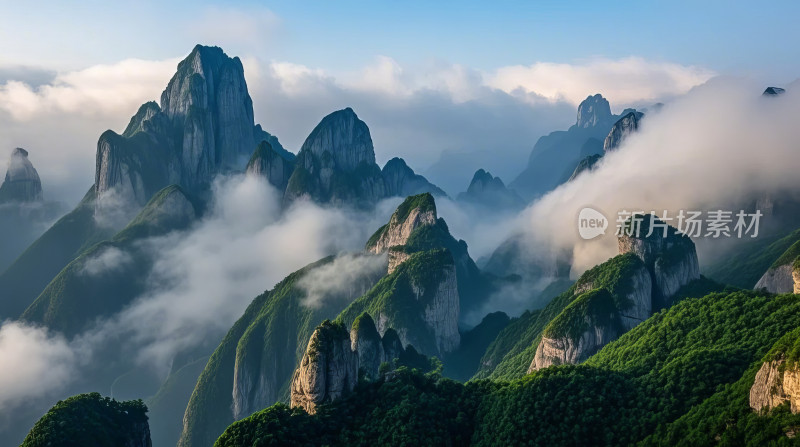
(419, 300)
(334, 360)
(397, 256)
(329, 368)
(773, 91)
(554, 156)
(777, 280)
(22, 183)
(441, 314)
(775, 384)
(489, 191)
(593, 111)
(628, 124)
(796, 277)
(640, 300)
(402, 181)
(672, 260)
(269, 163)
(336, 164)
(414, 212)
(585, 165)
(595, 318)
(204, 126)
(614, 297)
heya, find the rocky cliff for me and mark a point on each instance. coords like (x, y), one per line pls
(585, 165)
(335, 360)
(21, 183)
(555, 156)
(336, 164)
(773, 91)
(670, 257)
(204, 126)
(419, 300)
(616, 296)
(402, 181)
(328, 369)
(271, 164)
(592, 111)
(628, 124)
(413, 213)
(489, 191)
(777, 280)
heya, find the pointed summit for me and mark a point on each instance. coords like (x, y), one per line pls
(204, 126)
(414, 212)
(773, 91)
(628, 124)
(402, 181)
(22, 182)
(336, 164)
(345, 137)
(593, 111)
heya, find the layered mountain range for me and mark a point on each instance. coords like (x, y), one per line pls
(640, 350)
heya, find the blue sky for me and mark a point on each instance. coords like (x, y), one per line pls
(740, 38)
(437, 82)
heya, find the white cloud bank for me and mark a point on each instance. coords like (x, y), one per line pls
(489, 119)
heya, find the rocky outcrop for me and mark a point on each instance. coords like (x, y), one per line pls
(628, 124)
(774, 385)
(554, 156)
(616, 296)
(777, 280)
(22, 183)
(489, 191)
(670, 257)
(593, 110)
(796, 276)
(336, 164)
(402, 181)
(414, 212)
(268, 163)
(585, 165)
(397, 256)
(773, 91)
(335, 360)
(203, 127)
(441, 312)
(329, 368)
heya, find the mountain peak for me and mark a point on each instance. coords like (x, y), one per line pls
(773, 91)
(592, 111)
(22, 183)
(345, 137)
(414, 212)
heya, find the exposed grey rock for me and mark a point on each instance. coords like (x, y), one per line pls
(796, 277)
(336, 164)
(777, 280)
(774, 385)
(585, 165)
(565, 350)
(396, 257)
(22, 183)
(672, 260)
(329, 368)
(490, 192)
(402, 181)
(592, 111)
(402, 223)
(203, 127)
(773, 91)
(334, 358)
(640, 297)
(442, 312)
(628, 124)
(268, 163)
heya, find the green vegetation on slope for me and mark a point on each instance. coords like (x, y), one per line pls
(91, 420)
(268, 340)
(680, 378)
(744, 267)
(25, 279)
(109, 275)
